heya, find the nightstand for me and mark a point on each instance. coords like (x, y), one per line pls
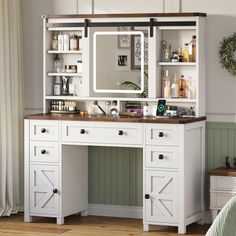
(222, 188)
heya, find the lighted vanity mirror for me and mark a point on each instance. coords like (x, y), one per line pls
(116, 59)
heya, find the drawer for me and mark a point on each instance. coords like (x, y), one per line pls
(102, 132)
(45, 130)
(161, 157)
(225, 183)
(161, 134)
(44, 151)
(218, 200)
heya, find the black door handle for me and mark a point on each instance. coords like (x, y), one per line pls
(147, 196)
(55, 190)
(82, 131)
(161, 134)
(161, 157)
(43, 151)
(121, 132)
(43, 130)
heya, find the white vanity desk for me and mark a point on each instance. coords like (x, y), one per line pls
(56, 164)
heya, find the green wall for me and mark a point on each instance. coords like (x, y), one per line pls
(115, 174)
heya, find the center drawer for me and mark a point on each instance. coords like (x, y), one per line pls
(102, 132)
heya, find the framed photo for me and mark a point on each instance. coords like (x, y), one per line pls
(136, 51)
(122, 60)
(124, 40)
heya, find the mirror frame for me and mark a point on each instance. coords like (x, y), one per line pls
(95, 65)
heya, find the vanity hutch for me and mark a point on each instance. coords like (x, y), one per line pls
(56, 145)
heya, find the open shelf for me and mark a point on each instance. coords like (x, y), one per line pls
(177, 63)
(65, 52)
(66, 74)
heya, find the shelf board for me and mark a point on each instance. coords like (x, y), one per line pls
(66, 74)
(177, 63)
(64, 52)
(173, 100)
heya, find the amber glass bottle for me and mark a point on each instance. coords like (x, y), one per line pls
(182, 92)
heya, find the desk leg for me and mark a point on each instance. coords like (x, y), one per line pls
(182, 229)
(84, 213)
(27, 218)
(145, 227)
(214, 214)
(60, 220)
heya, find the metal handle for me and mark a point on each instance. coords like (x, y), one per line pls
(121, 132)
(161, 134)
(43, 151)
(43, 130)
(55, 190)
(82, 131)
(147, 196)
(161, 157)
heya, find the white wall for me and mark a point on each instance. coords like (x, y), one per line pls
(221, 22)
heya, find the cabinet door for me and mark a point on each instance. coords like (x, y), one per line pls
(161, 196)
(44, 193)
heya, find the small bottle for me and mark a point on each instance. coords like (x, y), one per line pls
(71, 87)
(186, 52)
(79, 67)
(179, 52)
(60, 42)
(74, 43)
(66, 42)
(166, 85)
(146, 110)
(174, 87)
(58, 64)
(192, 49)
(57, 86)
(190, 89)
(182, 87)
(166, 51)
(54, 43)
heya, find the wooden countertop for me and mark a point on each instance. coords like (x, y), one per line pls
(222, 171)
(77, 117)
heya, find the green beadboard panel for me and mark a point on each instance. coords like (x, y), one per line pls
(116, 176)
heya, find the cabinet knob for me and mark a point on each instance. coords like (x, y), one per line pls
(43, 151)
(82, 131)
(121, 132)
(43, 130)
(161, 134)
(55, 190)
(147, 196)
(161, 157)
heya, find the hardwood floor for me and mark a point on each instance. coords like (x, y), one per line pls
(88, 226)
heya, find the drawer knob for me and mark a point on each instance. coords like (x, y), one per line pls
(55, 190)
(161, 134)
(43, 151)
(43, 130)
(121, 132)
(161, 157)
(147, 196)
(82, 131)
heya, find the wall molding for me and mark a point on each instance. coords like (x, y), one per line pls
(115, 211)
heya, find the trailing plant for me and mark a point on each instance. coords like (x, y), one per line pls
(134, 86)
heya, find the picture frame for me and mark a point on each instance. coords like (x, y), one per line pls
(124, 40)
(136, 51)
(122, 60)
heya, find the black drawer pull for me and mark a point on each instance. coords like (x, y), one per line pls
(55, 190)
(43, 130)
(161, 134)
(82, 131)
(121, 132)
(147, 196)
(43, 151)
(161, 157)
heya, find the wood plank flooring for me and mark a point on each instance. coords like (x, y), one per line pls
(88, 226)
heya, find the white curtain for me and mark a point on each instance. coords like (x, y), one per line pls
(11, 106)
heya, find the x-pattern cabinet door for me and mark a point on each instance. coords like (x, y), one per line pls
(162, 190)
(44, 193)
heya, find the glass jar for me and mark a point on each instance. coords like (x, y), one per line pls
(58, 64)
(166, 51)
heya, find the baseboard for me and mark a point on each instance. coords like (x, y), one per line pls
(115, 211)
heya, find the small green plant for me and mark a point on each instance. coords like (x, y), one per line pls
(134, 86)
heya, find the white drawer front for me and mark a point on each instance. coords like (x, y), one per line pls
(223, 183)
(100, 132)
(161, 134)
(44, 130)
(218, 200)
(44, 151)
(161, 156)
